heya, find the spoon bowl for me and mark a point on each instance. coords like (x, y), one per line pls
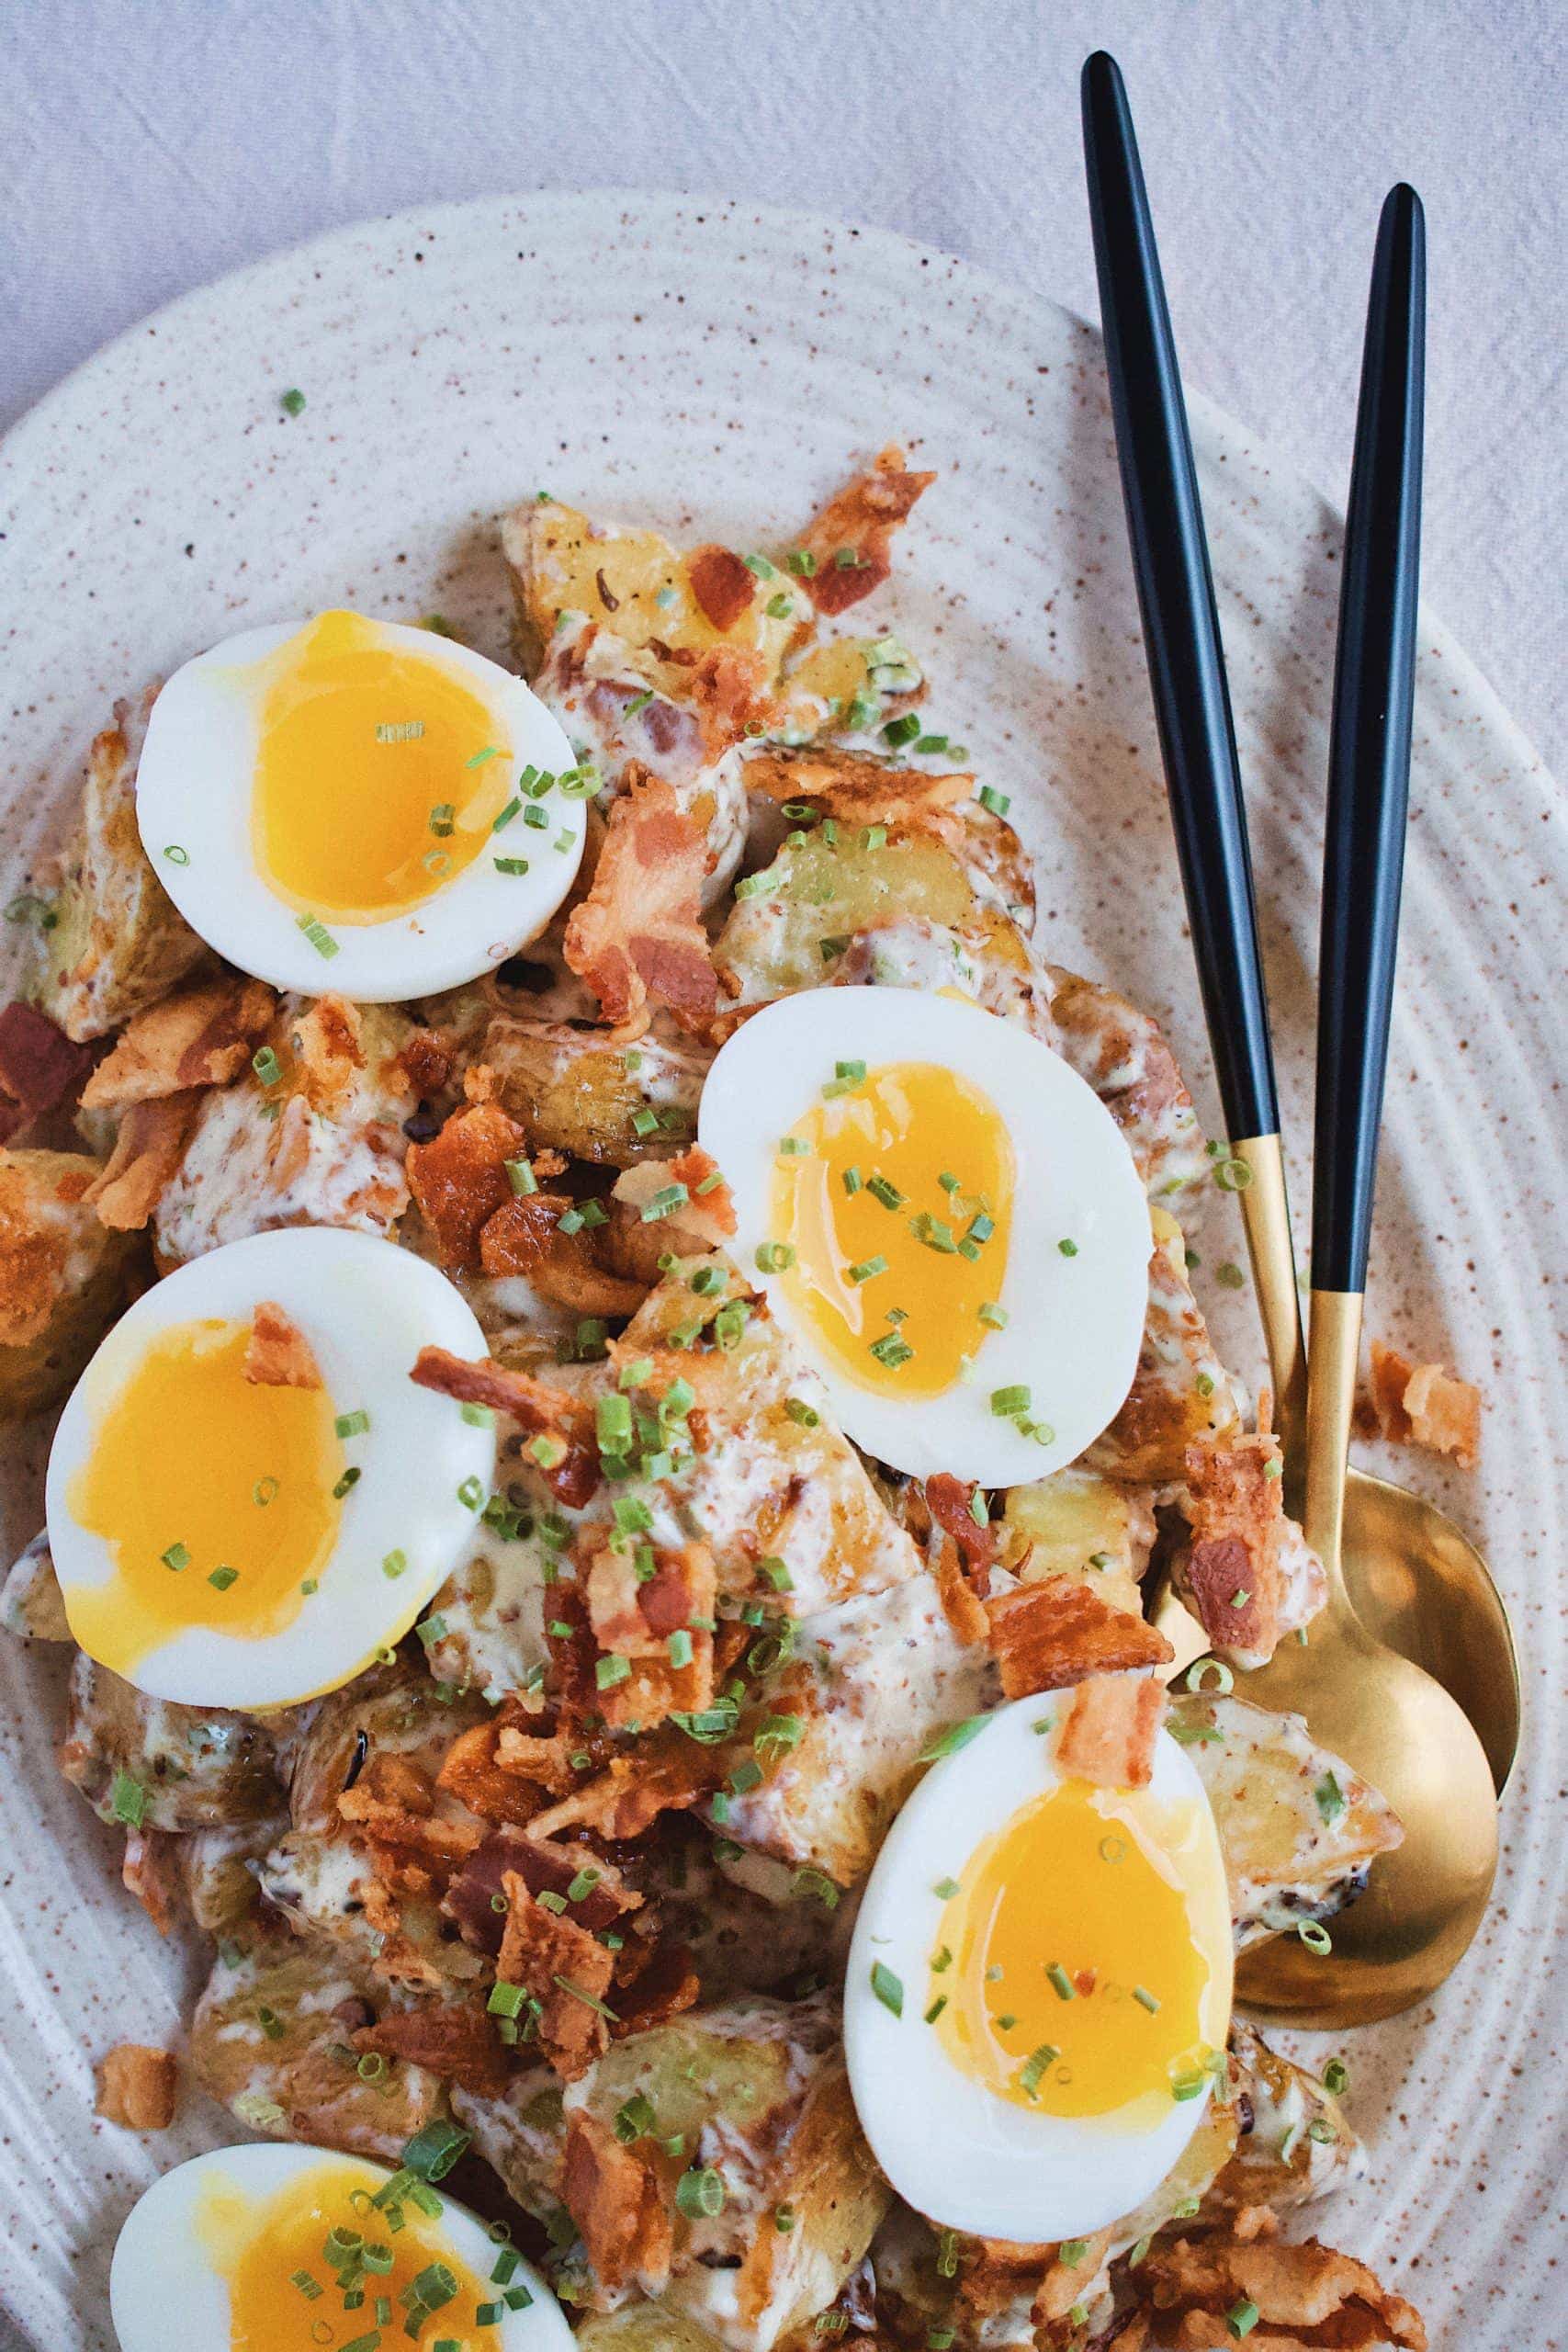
(1423, 1902)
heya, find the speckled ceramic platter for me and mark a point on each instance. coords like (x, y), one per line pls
(719, 366)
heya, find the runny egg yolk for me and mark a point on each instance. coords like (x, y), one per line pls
(895, 1195)
(1070, 1964)
(213, 1493)
(379, 776)
(288, 2259)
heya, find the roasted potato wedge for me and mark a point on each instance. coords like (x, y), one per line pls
(271, 2040)
(578, 1093)
(117, 943)
(1298, 1829)
(521, 2137)
(1077, 1524)
(1294, 2141)
(199, 1768)
(64, 1276)
(32, 1607)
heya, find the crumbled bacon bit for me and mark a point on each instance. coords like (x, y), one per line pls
(455, 2040)
(695, 1167)
(635, 1621)
(951, 1501)
(278, 1354)
(1106, 1731)
(1422, 1405)
(39, 1067)
(1057, 1632)
(1306, 2295)
(860, 519)
(137, 2087)
(443, 1844)
(663, 1985)
(721, 585)
(668, 1774)
(149, 1872)
(1234, 1510)
(639, 933)
(460, 1179)
(472, 1771)
(523, 1237)
(562, 1967)
(147, 1152)
(728, 692)
(543, 1410)
(428, 1061)
(203, 1037)
(617, 2201)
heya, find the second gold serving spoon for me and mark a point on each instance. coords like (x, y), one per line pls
(1386, 1716)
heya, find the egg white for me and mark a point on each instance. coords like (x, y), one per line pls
(965, 2158)
(165, 2295)
(367, 1307)
(194, 792)
(1074, 1325)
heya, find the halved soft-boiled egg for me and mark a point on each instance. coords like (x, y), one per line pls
(357, 803)
(277, 2248)
(946, 1218)
(248, 1496)
(1039, 1987)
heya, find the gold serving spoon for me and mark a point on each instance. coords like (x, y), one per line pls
(1390, 1720)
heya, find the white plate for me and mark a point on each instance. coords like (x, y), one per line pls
(717, 367)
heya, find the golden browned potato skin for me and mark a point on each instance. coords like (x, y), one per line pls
(200, 1767)
(578, 1093)
(64, 1276)
(116, 944)
(292, 2073)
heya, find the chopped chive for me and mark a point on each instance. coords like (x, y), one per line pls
(700, 2193)
(1060, 1982)
(998, 803)
(266, 1066)
(936, 2009)
(679, 1647)
(349, 1480)
(500, 823)
(805, 1416)
(665, 1201)
(891, 1350)
(175, 1557)
(1242, 2318)
(441, 818)
(853, 1071)
(292, 402)
(979, 1509)
(1032, 2072)
(609, 1672)
(889, 1988)
(490, 752)
(127, 1800)
(993, 1316)
(1330, 1799)
(177, 853)
(510, 864)
(772, 1257)
(801, 561)
(472, 1493)
(780, 607)
(1337, 2077)
(946, 1888)
(318, 935)
(852, 1181)
(947, 1742)
(793, 1146)
(874, 837)
(1068, 1248)
(394, 1562)
(888, 1194)
(866, 1268)
(1008, 1402)
(353, 1424)
(759, 565)
(829, 949)
(221, 1578)
(1145, 1999)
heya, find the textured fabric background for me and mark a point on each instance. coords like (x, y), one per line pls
(145, 149)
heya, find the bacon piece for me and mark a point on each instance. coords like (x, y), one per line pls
(443, 1844)
(1420, 1404)
(698, 1170)
(667, 1773)
(1106, 1731)
(849, 785)
(147, 1152)
(617, 2201)
(149, 1872)
(638, 932)
(860, 519)
(278, 1354)
(1234, 1512)
(562, 1967)
(428, 1061)
(722, 585)
(39, 1067)
(950, 1500)
(540, 1409)
(459, 1177)
(523, 1238)
(1049, 1634)
(635, 1621)
(728, 692)
(704, 1221)
(665, 1984)
(455, 2040)
(203, 1037)
(472, 1771)
(137, 2086)
(1305, 2294)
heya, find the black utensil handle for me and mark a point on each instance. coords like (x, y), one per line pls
(1176, 597)
(1369, 772)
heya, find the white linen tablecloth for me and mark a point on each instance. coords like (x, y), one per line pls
(147, 146)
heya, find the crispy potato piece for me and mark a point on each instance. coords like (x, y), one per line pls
(644, 2327)
(760, 2087)
(1298, 1829)
(563, 564)
(271, 2040)
(116, 944)
(871, 1680)
(64, 1276)
(491, 1607)
(908, 952)
(821, 891)
(847, 686)
(1192, 2178)
(1181, 1393)
(1294, 2141)
(198, 1767)
(1122, 1053)
(1306, 2295)
(1420, 1404)
(1079, 1525)
(578, 1093)
(32, 1607)
(403, 1716)
(521, 2135)
(216, 1874)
